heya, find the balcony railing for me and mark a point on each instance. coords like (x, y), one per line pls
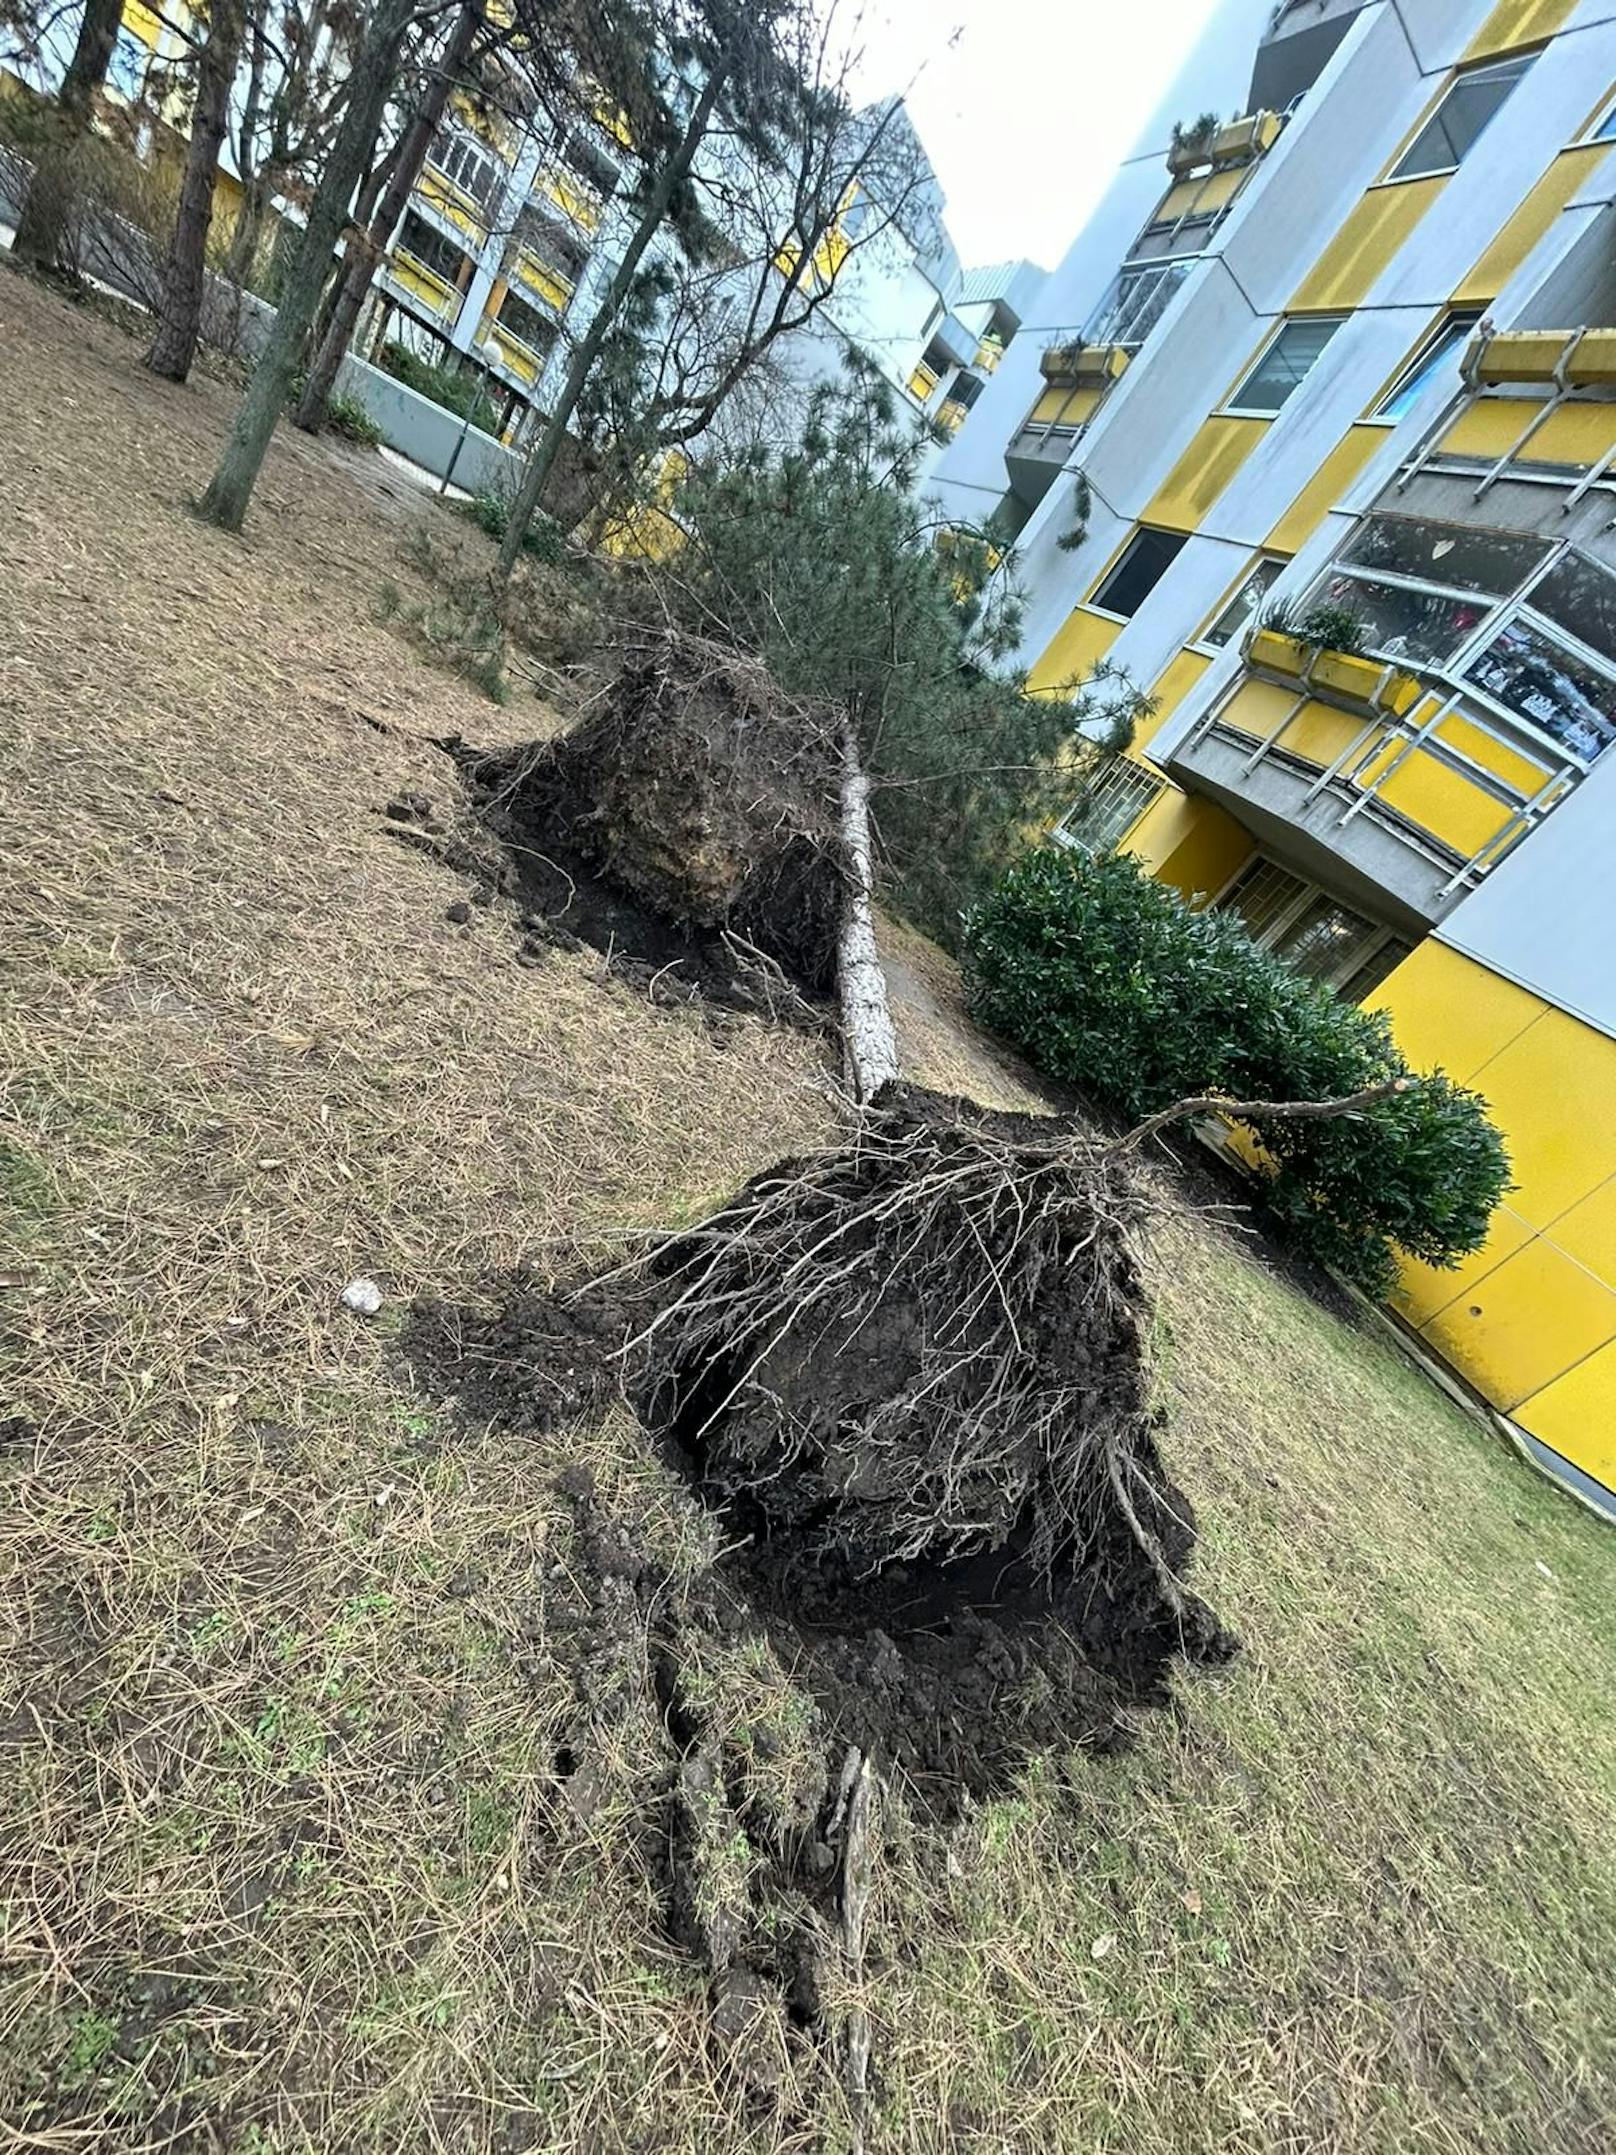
(573, 197)
(453, 204)
(1429, 760)
(549, 284)
(410, 275)
(510, 353)
(1133, 304)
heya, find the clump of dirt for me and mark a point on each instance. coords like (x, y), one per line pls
(910, 1375)
(702, 797)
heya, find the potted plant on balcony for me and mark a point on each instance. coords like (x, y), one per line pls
(1191, 142)
(1323, 647)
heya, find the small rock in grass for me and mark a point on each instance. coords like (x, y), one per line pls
(459, 913)
(363, 1297)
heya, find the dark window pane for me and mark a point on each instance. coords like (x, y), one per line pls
(1241, 610)
(1540, 679)
(521, 320)
(1439, 354)
(1423, 626)
(1461, 118)
(1285, 365)
(1145, 561)
(1581, 596)
(1374, 969)
(1461, 556)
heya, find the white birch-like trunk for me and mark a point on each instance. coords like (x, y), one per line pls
(870, 1043)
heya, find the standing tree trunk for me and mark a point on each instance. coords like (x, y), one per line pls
(44, 217)
(669, 179)
(365, 246)
(179, 313)
(249, 223)
(374, 68)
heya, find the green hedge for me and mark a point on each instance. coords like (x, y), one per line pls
(1106, 979)
(457, 391)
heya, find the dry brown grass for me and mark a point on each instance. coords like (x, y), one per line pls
(288, 1655)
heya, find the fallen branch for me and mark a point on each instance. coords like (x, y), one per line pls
(1351, 1103)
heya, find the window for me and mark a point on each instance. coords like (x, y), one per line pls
(1468, 107)
(1313, 932)
(1111, 805)
(521, 320)
(471, 168)
(1535, 634)
(1242, 609)
(1144, 561)
(551, 243)
(430, 248)
(1422, 590)
(1435, 356)
(1604, 128)
(1135, 303)
(1543, 681)
(589, 164)
(1285, 364)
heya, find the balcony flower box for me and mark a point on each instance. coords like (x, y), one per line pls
(1366, 682)
(1070, 366)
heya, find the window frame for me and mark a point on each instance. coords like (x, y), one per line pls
(1602, 127)
(1232, 406)
(1520, 63)
(1202, 640)
(1498, 614)
(1119, 773)
(541, 346)
(1290, 914)
(1423, 355)
(1114, 566)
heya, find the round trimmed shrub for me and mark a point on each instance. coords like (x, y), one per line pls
(1107, 980)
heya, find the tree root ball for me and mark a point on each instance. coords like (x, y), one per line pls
(915, 1366)
(701, 790)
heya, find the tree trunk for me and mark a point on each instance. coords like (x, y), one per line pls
(179, 314)
(868, 1041)
(536, 477)
(364, 247)
(374, 68)
(249, 223)
(45, 213)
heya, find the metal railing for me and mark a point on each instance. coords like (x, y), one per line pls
(1391, 741)
(1133, 304)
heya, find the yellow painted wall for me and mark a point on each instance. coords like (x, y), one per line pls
(1065, 407)
(1193, 844)
(1531, 1319)
(1369, 238)
(1169, 689)
(1521, 232)
(1073, 651)
(1326, 487)
(1518, 22)
(1203, 471)
(1576, 435)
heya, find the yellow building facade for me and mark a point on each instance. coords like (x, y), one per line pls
(1342, 425)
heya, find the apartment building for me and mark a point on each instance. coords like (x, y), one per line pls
(514, 229)
(1326, 393)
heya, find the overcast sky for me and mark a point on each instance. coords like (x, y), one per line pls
(1028, 109)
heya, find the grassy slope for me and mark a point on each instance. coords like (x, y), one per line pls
(286, 1864)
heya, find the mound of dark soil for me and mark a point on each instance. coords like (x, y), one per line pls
(910, 1376)
(698, 793)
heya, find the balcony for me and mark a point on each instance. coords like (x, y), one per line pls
(1385, 779)
(509, 356)
(422, 287)
(923, 382)
(573, 197)
(543, 281)
(450, 202)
